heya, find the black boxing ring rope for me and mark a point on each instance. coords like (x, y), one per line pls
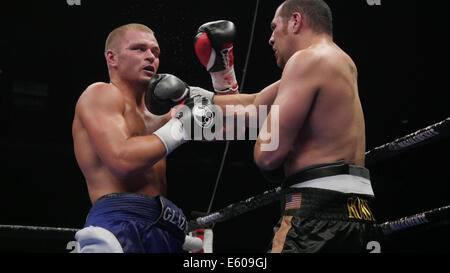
(19, 228)
(437, 216)
(420, 137)
(434, 216)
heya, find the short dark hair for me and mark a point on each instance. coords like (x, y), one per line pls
(317, 13)
(119, 31)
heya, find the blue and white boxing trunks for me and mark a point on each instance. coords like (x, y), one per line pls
(133, 223)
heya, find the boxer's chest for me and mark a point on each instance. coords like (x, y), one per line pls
(142, 123)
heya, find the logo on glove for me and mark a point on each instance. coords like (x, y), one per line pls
(203, 115)
(204, 121)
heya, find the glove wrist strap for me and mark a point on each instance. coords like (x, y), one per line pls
(171, 135)
(224, 81)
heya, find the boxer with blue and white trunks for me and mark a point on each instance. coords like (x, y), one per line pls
(123, 132)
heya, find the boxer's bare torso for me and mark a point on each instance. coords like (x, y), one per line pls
(332, 128)
(133, 121)
(320, 115)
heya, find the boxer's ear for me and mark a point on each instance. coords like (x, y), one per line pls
(111, 58)
(297, 22)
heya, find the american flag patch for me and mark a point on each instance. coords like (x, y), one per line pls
(293, 201)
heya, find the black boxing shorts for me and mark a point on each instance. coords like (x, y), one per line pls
(326, 208)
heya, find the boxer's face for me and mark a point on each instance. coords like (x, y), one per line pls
(278, 40)
(138, 56)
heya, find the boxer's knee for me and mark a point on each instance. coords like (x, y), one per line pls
(94, 239)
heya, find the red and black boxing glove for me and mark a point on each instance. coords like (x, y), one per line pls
(214, 48)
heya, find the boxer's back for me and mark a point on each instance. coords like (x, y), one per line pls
(334, 128)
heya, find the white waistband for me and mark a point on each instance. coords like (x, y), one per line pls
(344, 183)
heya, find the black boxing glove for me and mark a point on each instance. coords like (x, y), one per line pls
(165, 91)
(214, 48)
(194, 118)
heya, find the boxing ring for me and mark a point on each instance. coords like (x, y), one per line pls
(39, 238)
(430, 219)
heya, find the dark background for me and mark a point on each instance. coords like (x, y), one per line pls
(51, 51)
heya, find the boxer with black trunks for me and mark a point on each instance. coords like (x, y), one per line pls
(122, 133)
(327, 201)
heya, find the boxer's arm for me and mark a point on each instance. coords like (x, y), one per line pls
(101, 109)
(299, 84)
(263, 98)
(267, 95)
(237, 99)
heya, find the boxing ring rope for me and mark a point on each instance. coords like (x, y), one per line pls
(420, 137)
(433, 216)
(437, 216)
(19, 228)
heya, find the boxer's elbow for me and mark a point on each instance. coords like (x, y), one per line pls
(121, 168)
(134, 157)
(267, 160)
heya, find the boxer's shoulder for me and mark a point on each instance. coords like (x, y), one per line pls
(304, 64)
(101, 89)
(100, 93)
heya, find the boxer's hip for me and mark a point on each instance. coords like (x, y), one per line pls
(336, 176)
(138, 207)
(326, 207)
(135, 219)
(329, 191)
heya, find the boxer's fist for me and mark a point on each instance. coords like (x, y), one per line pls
(195, 118)
(213, 46)
(165, 91)
(198, 115)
